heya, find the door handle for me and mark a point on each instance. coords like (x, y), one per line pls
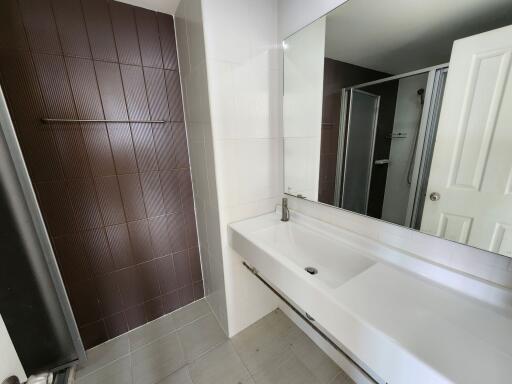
(435, 196)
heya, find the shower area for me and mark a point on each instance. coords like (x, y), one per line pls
(385, 144)
(93, 109)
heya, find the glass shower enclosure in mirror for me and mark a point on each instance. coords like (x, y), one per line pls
(402, 111)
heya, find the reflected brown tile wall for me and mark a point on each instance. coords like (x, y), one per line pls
(116, 198)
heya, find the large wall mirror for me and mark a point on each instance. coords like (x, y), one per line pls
(402, 111)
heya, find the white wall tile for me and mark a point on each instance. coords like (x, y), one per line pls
(234, 79)
(227, 34)
(191, 52)
(302, 165)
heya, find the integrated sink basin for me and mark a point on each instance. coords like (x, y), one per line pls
(400, 318)
(334, 261)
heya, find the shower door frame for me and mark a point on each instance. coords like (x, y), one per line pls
(412, 204)
(425, 144)
(41, 255)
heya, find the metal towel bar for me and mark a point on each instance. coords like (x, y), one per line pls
(49, 120)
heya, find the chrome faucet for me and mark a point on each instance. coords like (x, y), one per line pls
(285, 212)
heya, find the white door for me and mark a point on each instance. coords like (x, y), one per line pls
(472, 162)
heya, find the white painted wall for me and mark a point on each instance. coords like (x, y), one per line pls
(230, 62)
(304, 55)
(407, 119)
(192, 59)
(10, 364)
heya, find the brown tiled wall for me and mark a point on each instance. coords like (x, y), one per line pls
(116, 198)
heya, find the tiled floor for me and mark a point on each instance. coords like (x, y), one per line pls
(189, 347)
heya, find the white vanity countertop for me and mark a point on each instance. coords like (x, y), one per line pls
(395, 321)
(456, 336)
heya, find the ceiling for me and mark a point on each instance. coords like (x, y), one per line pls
(165, 6)
(397, 36)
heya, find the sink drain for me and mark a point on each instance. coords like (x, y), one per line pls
(311, 270)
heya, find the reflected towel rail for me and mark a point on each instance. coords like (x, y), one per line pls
(65, 121)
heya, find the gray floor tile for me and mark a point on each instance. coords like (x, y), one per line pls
(151, 331)
(200, 336)
(274, 350)
(266, 342)
(157, 360)
(291, 371)
(180, 377)
(321, 365)
(190, 312)
(221, 365)
(342, 378)
(118, 372)
(104, 354)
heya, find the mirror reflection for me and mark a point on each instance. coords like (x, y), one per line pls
(402, 111)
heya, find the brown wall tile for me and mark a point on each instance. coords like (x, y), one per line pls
(109, 198)
(25, 101)
(198, 290)
(72, 150)
(116, 198)
(186, 295)
(116, 325)
(71, 26)
(121, 144)
(84, 300)
(167, 274)
(173, 85)
(98, 148)
(120, 247)
(182, 265)
(99, 29)
(160, 236)
(135, 91)
(54, 84)
(167, 40)
(85, 203)
(131, 194)
(93, 334)
(131, 286)
(40, 25)
(12, 33)
(177, 231)
(149, 41)
(109, 294)
(111, 90)
(179, 145)
(154, 308)
(152, 191)
(125, 33)
(171, 191)
(85, 88)
(144, 146)
(135, 316)
(157, 94)
(171, 301)
(140, 239)
(195, 264)
(163, 141)
(56, 207)
(73, 261)
(97, 251)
